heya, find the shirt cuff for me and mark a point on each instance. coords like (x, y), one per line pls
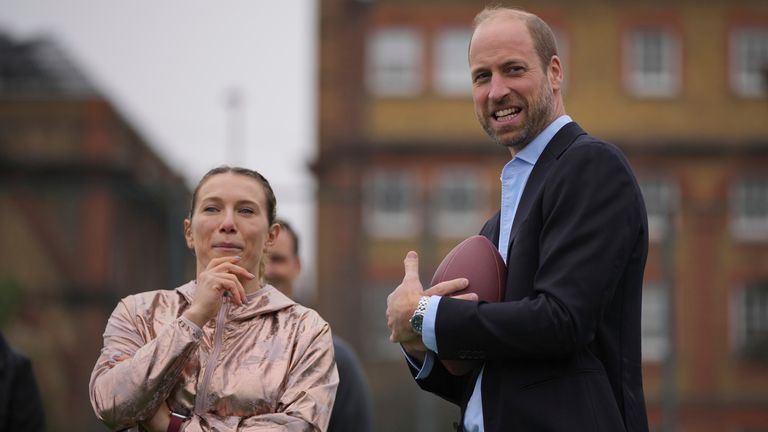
(425, 368)
(428, 335)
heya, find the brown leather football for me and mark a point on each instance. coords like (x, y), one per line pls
(478, 260)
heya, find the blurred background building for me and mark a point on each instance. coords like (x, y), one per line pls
(680, 86)
(89, 214)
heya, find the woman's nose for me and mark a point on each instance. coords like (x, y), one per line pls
(228, 223)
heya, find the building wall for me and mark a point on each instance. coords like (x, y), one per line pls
(90, 215)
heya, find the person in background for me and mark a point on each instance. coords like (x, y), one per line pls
(225, 352)
(352, 410)
(21, 408)
(561, 351)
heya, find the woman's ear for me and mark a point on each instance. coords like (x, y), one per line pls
(188, 234)
(274, 231)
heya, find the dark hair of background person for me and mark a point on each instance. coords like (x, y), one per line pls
(286, 227)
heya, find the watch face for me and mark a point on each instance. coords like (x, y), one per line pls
(416, 322)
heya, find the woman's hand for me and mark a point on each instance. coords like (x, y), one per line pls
(221, 276)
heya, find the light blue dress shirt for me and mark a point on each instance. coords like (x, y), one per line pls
(513, 179)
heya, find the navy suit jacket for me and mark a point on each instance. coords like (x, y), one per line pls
(562, 350)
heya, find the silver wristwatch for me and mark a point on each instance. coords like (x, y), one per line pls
(417, 320)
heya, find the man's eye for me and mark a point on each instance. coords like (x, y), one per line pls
(480, 77)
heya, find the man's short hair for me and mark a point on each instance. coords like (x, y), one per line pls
(286, 227)
(542, 35)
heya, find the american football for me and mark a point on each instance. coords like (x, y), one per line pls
(478, 260)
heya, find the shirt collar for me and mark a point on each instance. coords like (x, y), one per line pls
(532, 151)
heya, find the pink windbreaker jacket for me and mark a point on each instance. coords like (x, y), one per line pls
(265, 366)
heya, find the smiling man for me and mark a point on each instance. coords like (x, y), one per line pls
(561, 352)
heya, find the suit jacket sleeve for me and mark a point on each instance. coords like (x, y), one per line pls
(589, 217)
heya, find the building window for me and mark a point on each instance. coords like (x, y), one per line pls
(654, 323)
(390, 210)
(451, 65)
(749, 61)
(376, 342)
(751, 321)
(749, 208)
(660, 201)
(652, 62)
(458, 203)
(394, 66)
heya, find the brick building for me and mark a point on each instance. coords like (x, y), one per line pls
(89, 214)
(680, 86)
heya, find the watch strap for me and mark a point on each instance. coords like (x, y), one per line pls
(176, 421)
(417, 320)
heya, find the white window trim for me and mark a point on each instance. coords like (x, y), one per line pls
(742, 228)
(740, 79)
(660, 344)
(395, 225)
(376, 76)
(738, 330)
(457, 82)
(659, 225)
(453, 224)
(669, 81)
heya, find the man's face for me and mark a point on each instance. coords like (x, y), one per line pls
(282, 265)
(513, 94)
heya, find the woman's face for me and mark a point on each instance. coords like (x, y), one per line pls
(230, 218)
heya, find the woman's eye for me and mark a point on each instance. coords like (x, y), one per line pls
(210, 209)
(247, 210)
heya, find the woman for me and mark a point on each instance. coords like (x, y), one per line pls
(224, 352)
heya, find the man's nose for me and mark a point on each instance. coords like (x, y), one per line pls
(498, 88)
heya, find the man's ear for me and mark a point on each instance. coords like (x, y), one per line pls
(555, 73)
(188, 234)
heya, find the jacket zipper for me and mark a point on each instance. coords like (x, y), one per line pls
(201, 399)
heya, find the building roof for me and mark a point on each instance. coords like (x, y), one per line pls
(39, 67)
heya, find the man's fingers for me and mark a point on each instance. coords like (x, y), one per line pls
(468, 296)
(447, 287)
(411, 263)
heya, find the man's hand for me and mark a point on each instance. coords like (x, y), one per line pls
(402, 302)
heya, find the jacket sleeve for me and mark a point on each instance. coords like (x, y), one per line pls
(310, 390)
(125, 392)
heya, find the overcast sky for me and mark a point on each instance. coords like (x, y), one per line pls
(170, 65)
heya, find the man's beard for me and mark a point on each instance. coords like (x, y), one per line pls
(539, 113)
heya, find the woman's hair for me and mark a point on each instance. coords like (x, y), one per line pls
(223, 169)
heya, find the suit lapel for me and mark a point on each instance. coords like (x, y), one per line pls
(491, 229)
(554, 149)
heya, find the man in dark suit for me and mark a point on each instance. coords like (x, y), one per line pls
(21, 408)
(561, 352)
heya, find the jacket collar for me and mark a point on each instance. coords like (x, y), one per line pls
(263, 301)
